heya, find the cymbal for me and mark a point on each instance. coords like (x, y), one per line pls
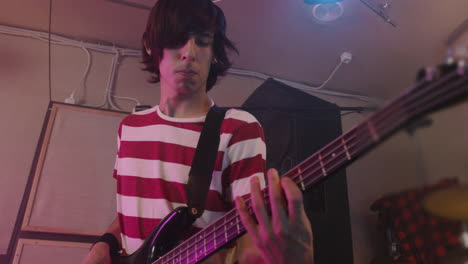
(451, 202)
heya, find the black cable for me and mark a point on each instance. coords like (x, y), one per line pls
(50, 57)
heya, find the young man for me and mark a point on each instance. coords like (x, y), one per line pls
(185, 47)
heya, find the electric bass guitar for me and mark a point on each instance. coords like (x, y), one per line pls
(437, 89)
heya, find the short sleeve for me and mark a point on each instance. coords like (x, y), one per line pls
(246, 153)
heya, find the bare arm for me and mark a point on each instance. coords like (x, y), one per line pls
(99, 253)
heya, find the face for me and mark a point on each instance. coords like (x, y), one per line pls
(184, 69)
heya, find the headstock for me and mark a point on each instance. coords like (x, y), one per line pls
(456, 60)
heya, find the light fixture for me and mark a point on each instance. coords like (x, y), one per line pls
(326, 13)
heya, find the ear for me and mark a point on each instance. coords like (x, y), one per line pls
(145, 43)
(148, 50)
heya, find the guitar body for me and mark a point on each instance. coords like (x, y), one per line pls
(167, 235)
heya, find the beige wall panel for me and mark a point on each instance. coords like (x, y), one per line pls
(23, 104)
(73, 190)
(445, 144)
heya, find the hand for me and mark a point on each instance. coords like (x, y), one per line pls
(99, 254)
(287, 236)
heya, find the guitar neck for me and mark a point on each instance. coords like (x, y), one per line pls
(420, 99)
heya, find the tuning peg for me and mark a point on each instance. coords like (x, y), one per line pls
(427, 74)
(461, 67)
(430, 74)
(450, 59)
(449, 66)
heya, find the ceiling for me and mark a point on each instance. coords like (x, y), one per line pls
(281, 38)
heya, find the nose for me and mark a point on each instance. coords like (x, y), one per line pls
(188, 51)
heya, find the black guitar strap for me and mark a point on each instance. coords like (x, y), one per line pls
(204, 161)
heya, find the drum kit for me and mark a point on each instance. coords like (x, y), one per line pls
(452, 203)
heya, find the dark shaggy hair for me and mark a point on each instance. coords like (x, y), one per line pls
(169, 25)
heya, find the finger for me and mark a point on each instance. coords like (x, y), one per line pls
(246, 219)
(278, 213)
(294, 198)
(258, 204)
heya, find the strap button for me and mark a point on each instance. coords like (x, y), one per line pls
(194, 211)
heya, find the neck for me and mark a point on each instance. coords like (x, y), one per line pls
(185, 105)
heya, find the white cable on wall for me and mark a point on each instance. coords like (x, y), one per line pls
(59, 40)
(71, 98)
(123, 52)
(305, 87)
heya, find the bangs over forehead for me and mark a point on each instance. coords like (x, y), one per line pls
(175, 20)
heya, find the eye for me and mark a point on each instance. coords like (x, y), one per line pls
(178, 43)
(204, 39)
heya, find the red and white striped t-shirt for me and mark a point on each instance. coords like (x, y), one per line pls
(154, 157)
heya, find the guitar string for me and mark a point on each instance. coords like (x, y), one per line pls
(168, 258)
(236, 217)
(384, 109)
(412, 109)
(197, 240)
(326, 152)
(397, 102)
(360, 130)
(415, 94)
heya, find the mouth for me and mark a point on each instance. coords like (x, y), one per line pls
(186, 72)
